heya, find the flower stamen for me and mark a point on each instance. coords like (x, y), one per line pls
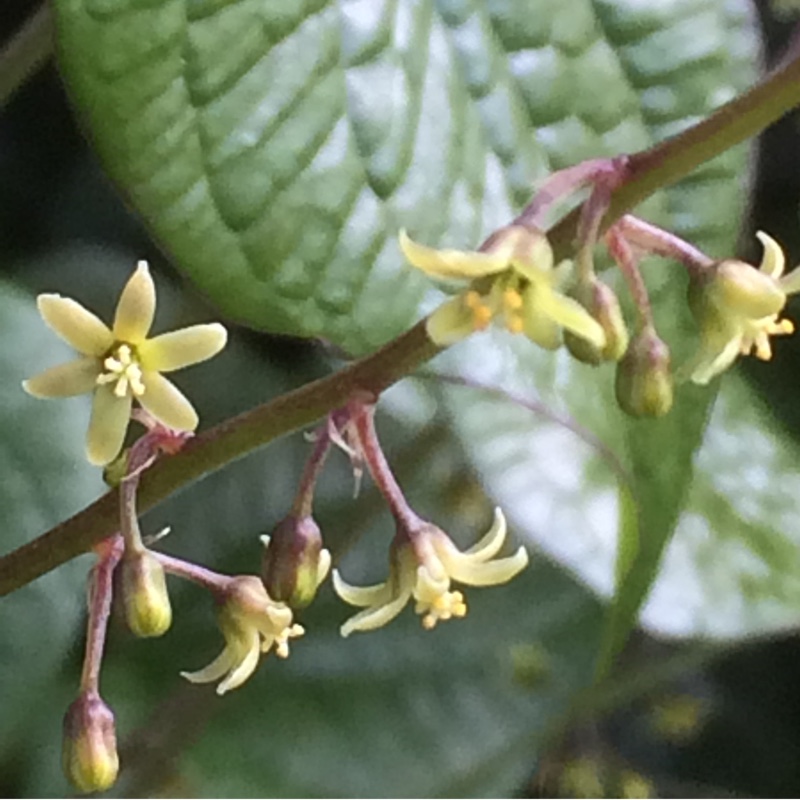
(481, 312)
(282, 640)
(512, 309)
(442, 607)
(122, 369)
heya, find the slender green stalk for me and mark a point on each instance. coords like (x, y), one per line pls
(27, 51)
(647, 171)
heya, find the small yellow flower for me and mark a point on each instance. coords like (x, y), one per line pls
(736, 307)
(121, 363)
(421, 567)
(252, 623)
(513, 281)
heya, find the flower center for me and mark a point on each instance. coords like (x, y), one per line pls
(123, 370)
(444, 606)
(282, 639)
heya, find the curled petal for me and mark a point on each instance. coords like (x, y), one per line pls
(77, 326)
(489, 573)
(790, 283)
(215, 670)
(361, 595)
(64, 380)
(710, 362)
(136, 307)
(489, 546)
(181, 348)
(167, 403)
(107, 426)
(244, 669)
(452, 263)
(773, 261)
(372, 618)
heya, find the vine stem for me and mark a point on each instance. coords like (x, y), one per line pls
(647, 171)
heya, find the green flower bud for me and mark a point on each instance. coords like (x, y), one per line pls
(294, 562)
(89, 755)
(602, 304)
(144, 594)
(644, 380)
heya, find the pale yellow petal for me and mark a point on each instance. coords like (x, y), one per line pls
(361, 595)
(180, 348)
(246, 667)
(427, 587)
(537, 324)
(490, 544)
(223, 663)
(323, 565)
(107, 426)
(488, 573)
(77, 326)
(790, 283)
(451, 322)
(136, 307)
(711, 362)
(167, 403)
(570, 314)
(372, 618)
(464, 264)
(773, 261)
(64, 380)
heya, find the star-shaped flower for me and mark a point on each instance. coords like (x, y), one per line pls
(252, 623)
(736, 307)
(423, 562)
(513, 281)
(121, 363)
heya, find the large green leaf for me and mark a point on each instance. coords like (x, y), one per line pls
(731, 569)
(276, 147)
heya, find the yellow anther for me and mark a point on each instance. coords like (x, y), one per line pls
(763, 349)
(123, 370)
(445, 606)
(481, 313)
(512, 300)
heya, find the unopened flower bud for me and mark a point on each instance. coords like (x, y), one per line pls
(144, 593)
(89, 755)
(603, 306)
(294, 563)
(644, 380)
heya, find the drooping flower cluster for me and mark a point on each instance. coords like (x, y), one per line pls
(513, 281)
(252, 623)
(737, 306)
(423, 563)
